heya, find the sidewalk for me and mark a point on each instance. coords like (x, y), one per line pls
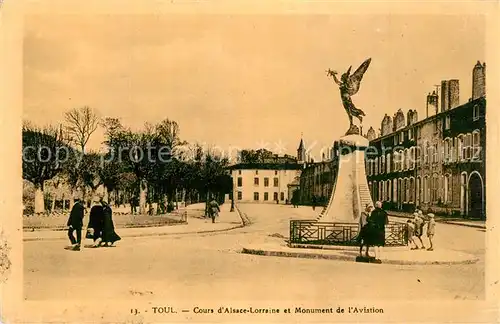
(226, 221)
(446, 220)
(390, 255)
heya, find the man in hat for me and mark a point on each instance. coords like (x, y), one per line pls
(75, 223)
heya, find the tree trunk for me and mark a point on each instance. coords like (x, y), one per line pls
(71, 198)
(53, 203)
(176, 199)
(142, 197)
(184, 196)
(39, 201)
(107, 196)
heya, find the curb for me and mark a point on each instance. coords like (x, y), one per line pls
(347, 258)
(155, 234)
(244, 218)
(443, 221)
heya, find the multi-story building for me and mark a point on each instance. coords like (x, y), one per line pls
(266, 181)
(436, 164)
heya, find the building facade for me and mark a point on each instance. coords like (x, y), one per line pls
(436, 164)
(265, 182)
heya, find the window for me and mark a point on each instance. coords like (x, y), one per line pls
(240, 195)
(388, 162)
(256, 196)
(266, 182)
(257, 172)
(447, 189)
(396, 138)
(468, 146)
(275, 196)
(411, 190)
(407, 160)
(446, 154)
(426, 154)
(476, 145)
(240, 182)
(447, 122)
(418, 153)
(382, 164)
(266, 196)
(410, 134)
(434, 188)
(239, 172)
(407, 190)
(388, 190)
(282, 196)
(276, 182)
(376, 165)
(460, 148)
(475, 112)
(427, 190)
(394, 190)
(275, 172)
(435, 153)
(374, 192)
(417, 191)
(256, 181)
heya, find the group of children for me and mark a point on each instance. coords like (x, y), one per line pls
(415, 230)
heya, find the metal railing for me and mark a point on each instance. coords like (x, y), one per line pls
(326, 233)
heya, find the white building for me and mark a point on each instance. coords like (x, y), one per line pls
(263, 182)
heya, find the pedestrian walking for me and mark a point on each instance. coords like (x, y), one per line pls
(96, 224)
(376, 224)
(109, 236)
(363, 230)
(313, 200)
(419, 228)
(214, 209)
(431, 229)
(75, 224)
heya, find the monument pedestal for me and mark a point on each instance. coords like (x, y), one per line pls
(351, 193)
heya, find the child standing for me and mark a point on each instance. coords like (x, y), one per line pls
(410, 232)
(419, 228)
(431, 229)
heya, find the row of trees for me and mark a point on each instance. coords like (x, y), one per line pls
(146, 166)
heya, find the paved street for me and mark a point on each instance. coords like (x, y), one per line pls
(200, 266)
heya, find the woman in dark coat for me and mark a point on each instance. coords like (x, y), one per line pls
(376, 224)
(96, 220)
(108, 231)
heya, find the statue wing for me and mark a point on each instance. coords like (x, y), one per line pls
(355, 79)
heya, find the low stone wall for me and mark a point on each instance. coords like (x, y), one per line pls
(57, 221)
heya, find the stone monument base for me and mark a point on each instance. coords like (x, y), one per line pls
(350, 193)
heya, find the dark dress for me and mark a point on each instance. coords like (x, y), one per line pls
(96, 221)
(376, 227)
(108, 232)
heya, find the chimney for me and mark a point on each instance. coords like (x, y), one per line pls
(478, 80)
(432, 103)
(454, 94)
(445, 97)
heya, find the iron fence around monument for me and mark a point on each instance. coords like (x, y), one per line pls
(326, 233)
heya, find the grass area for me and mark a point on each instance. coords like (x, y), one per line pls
(121, 221)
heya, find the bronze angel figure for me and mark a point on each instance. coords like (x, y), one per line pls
(349, 86)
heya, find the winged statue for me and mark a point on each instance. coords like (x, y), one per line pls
(349, 86)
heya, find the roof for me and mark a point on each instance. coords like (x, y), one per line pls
(265, 166)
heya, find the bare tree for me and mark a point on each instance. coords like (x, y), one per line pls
(81, 123)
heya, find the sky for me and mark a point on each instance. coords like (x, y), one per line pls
(242, 81)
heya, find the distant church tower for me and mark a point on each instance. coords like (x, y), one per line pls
(301, 152)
